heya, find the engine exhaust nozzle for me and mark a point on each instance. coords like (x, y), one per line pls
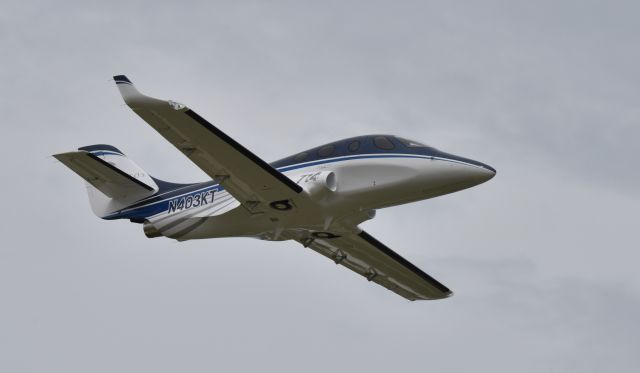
(150, 230)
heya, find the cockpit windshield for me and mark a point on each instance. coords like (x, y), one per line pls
(357, 146)
(411, 143)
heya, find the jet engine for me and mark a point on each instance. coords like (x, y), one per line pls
(319, 185)
(150, 230)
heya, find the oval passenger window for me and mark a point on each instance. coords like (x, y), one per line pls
(301, 157)
(354, 145)
(383, 142)
(326, 150)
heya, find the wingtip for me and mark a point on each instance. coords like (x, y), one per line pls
(129, 92)
(122, 79)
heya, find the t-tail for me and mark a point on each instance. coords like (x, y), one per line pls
(113, 180)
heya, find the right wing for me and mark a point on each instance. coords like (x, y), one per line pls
(248, 178)
(372, 259)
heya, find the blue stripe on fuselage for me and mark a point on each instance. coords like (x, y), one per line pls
(159, 203)
(154, 206)
(350, 157)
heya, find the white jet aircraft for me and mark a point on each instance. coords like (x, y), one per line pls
(316, 197)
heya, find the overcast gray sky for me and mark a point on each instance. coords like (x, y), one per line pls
(542, 259)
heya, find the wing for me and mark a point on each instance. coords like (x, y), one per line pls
(247, 177)
(370, 258)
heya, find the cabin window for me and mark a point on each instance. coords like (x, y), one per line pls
(301, 157)
(326, 150)
(354, 145)
(383, 143)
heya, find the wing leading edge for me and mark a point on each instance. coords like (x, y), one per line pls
(367, 256)
(247, 177)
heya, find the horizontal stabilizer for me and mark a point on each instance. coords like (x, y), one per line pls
(105, 176)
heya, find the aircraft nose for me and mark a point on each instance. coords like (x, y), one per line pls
(452, 173)
(476, 171)
(488, 168)
(470, 173)
(481, 173)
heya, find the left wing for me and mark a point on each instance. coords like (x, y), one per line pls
(248, 178)
(370, 258)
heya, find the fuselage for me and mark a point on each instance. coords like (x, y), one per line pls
(348, 180)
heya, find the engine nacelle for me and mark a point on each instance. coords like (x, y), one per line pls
(150, 230)
(319, 185)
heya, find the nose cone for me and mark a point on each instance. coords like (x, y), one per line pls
(487, 167)
(471, 170)
(479, 173)
(448, 175)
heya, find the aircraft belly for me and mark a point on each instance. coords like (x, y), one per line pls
(361, 185)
